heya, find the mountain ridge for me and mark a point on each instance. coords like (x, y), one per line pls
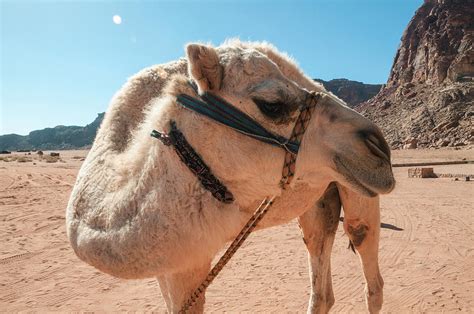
(58, 137)
(77, 137)
(352, 92)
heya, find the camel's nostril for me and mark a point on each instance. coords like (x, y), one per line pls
(376, 144)
(376, 150)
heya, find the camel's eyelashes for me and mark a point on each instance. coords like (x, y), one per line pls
(273, 110)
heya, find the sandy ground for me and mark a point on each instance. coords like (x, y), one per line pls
(428, 266)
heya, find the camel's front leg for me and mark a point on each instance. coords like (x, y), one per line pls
(178, 287)
(362, 225)
(319, 226)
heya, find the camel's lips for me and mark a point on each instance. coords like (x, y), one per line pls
(351, 178)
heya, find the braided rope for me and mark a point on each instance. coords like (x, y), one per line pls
(299, 129)
(261, 210)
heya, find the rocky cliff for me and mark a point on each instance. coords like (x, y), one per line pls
(429, 96)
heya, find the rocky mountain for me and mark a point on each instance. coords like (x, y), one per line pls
(59, 137)
(428, 100)
(352, 92)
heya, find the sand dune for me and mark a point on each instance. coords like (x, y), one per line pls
(428, 266)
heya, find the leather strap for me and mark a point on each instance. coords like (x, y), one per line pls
(194, 162)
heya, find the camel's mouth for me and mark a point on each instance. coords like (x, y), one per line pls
(369, 182)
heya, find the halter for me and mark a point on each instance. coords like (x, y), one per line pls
(222, 112)
(219, 110)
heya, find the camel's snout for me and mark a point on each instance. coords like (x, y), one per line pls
(362, 156)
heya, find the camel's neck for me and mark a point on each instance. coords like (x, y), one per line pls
(131, 177)
(111, 185)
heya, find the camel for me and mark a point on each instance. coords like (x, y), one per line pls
(137, 211)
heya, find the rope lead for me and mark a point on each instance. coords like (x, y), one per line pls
(261, 210)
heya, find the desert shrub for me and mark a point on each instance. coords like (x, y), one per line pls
(50, 159)
(24, 159)
(16, 158)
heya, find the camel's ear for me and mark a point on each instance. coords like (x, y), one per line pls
(204, 67)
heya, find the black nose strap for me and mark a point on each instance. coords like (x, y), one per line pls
(223, 112)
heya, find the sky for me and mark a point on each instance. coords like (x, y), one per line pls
(62, 61)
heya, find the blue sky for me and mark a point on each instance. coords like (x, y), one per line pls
(61, 61)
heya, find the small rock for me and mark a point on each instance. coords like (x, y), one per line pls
(444, 142)
(410, 143)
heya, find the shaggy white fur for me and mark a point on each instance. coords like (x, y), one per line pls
(136, 211)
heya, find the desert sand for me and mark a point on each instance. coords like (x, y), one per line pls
(426, 256)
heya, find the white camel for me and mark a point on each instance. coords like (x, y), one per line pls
(137, 210)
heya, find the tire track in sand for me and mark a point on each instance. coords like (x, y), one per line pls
(17, 257)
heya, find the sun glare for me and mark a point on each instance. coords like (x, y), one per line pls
(117, 19)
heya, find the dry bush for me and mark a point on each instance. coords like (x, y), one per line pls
(77, 157)
(24, 159)
(5, 158)
(17, 158)
(50, 159)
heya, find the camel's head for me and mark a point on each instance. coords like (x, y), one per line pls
(339, 144)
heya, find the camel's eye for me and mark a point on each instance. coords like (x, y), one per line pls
(273, 110)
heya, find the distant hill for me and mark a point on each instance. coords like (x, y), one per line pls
(71, 137)
(59, 137)
(352, 92)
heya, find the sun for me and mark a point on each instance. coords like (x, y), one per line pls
(117, 19)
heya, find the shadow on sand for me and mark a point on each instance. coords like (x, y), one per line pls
(383, 225)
